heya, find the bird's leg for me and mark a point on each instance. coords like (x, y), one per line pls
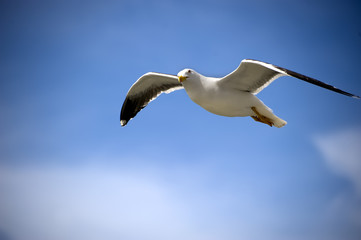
(256, 119)
(261, 118)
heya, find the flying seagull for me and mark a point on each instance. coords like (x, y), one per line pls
(232, 96)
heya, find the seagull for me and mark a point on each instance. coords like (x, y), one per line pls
(232, 96)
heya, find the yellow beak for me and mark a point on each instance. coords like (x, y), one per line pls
(181, 78)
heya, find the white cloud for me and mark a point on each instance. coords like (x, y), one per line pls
(145, 203)
(87, 204)
(101, 203)
(342, 153)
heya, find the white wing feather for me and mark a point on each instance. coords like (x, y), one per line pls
(252, 76)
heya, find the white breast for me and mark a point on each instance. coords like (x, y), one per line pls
(225, 102)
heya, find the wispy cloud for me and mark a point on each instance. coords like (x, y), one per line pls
(342, 153)
(101, 203)
(139, 202)
(88, 204)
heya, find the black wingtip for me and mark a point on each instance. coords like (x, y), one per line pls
(316, 82)
(123, 122)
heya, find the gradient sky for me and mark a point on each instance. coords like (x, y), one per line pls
(68, 170)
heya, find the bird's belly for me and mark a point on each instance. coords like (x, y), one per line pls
(228, 103)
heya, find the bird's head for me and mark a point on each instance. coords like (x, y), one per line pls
(186, 74)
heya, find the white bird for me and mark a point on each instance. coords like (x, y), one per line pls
(230, 96)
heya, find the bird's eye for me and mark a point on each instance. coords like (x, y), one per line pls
(189, 71)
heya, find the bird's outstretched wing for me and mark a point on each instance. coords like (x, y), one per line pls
(253, 76)
(144, 90)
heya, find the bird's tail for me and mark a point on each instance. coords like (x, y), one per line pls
(278, 122)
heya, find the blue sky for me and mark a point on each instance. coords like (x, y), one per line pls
(68, 170)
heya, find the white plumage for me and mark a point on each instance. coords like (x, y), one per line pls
(231, 96)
